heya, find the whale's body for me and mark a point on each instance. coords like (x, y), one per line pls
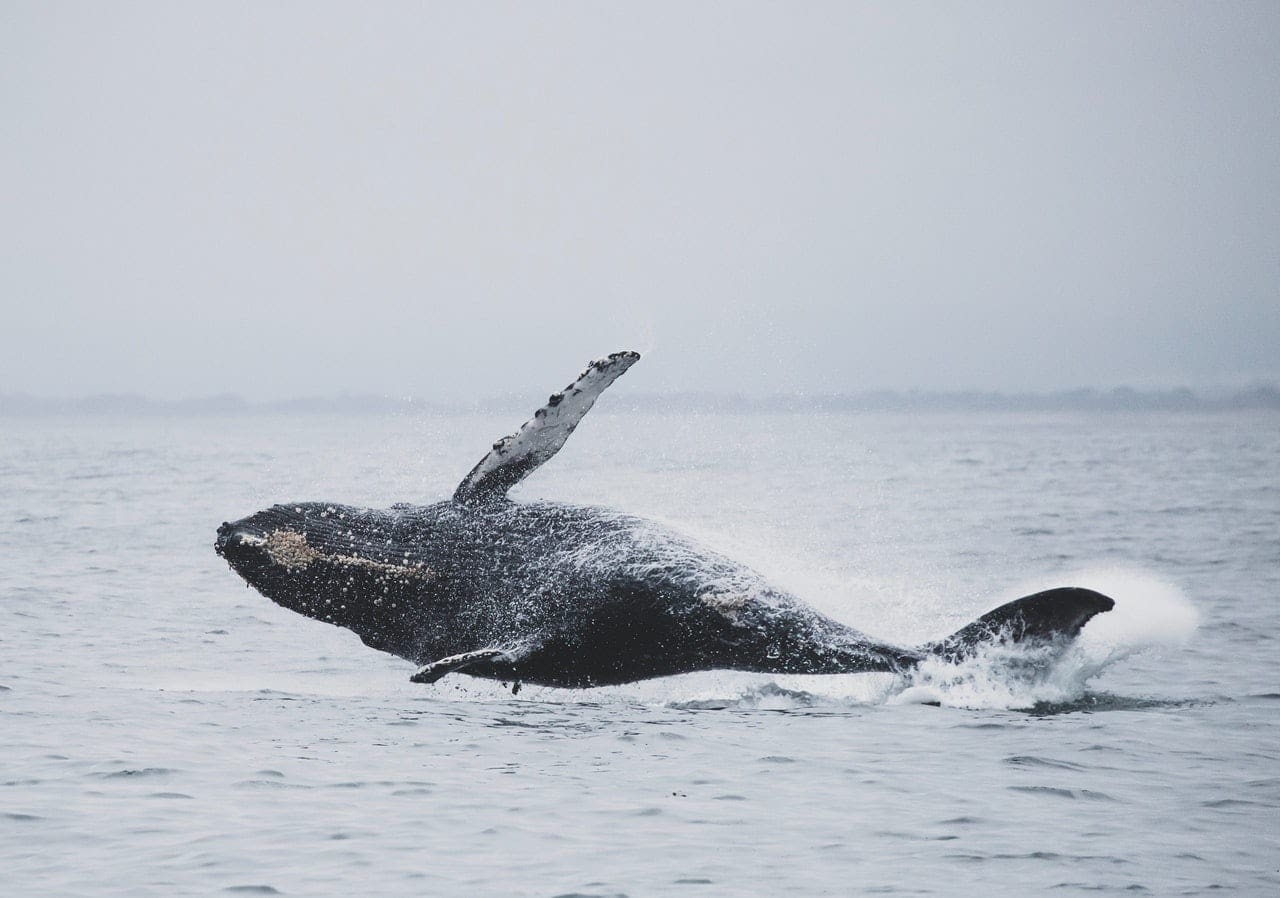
(571, 595)
(565, 595)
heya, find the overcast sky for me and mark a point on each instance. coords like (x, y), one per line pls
(448, 200)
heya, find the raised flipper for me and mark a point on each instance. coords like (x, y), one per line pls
(514, 457)
(436, 669)
(1055, 614)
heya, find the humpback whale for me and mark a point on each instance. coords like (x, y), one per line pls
(566, 595)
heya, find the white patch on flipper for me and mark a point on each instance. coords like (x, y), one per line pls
(514, 457)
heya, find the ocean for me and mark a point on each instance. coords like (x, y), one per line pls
(165, 731)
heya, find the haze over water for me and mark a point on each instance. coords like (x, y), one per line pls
(452, 202)
(168, 732)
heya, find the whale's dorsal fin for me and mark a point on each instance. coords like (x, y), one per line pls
(514, 457)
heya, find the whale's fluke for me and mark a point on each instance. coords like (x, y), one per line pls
(1046, 616)
(514, 457)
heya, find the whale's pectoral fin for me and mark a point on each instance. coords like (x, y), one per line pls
(514, 457)
(436, 669)
(1055, 614)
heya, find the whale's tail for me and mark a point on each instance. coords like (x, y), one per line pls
(1055, 615)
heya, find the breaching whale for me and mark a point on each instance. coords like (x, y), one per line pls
(566, 595)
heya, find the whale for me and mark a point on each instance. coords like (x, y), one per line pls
(573, 596)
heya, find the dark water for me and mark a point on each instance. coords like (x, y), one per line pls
(166, 731)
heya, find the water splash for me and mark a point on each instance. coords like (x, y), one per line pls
(1150, 613)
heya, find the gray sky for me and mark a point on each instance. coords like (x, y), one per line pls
(441, 200)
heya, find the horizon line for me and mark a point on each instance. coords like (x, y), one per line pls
(1120, 398)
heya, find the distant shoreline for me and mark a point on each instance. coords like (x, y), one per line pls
(1121, 399)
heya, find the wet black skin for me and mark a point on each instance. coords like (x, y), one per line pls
(575, 596)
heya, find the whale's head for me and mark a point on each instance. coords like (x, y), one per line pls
(269, 547)
(333, 563)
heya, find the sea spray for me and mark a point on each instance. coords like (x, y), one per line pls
(1150, 613)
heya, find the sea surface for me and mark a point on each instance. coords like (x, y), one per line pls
(165, 731)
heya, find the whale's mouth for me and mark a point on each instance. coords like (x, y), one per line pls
(279, 536)
(241, 544)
